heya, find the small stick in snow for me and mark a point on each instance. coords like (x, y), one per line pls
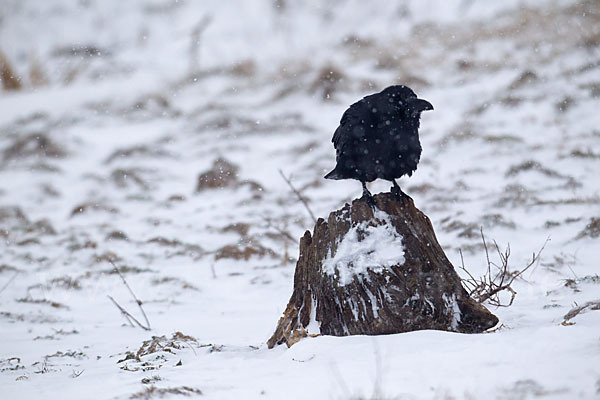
(77, 374)
(126, 313)
(9, 282)
(297, 193)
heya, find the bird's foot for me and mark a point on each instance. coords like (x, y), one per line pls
(367, 196)
(396, 191)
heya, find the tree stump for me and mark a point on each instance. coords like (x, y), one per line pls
(374, 271)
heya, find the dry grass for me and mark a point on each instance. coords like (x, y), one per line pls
(33, 145)
(174, 280)
(42, 227)
(222, 174)
(159, 347)
(574, 283)
(243, 69)
(462, 133)
(117, 235)
(467, 230)
(37, 77)
(92, 207)
(328, 81)
(6, 267)
(162, 343)
(241, 252)
(531, 165)
(153, 392)
(526, 78)
(11, 364)
(140, 151)
(51, 303)
(581, 153)
(10, 80)
(12, 214)
(589, 306)
(127, 177)
(240, 228)
(591, 230)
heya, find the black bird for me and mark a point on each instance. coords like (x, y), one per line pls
(378, 137)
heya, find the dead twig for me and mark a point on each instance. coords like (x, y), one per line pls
(592, 305)
(130, 318)
(297, 193)
(284, 234)
(9, 282)
(77, 374)
(497, 278)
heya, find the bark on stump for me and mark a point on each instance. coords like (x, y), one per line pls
(377, 271)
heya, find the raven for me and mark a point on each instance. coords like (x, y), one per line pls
(378, 137)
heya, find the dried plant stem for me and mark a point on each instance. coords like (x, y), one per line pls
(9, 282)
(497, 278)
(299, 195)
(130, 318)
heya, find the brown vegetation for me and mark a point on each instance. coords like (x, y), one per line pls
(498, 278)
(10, 80)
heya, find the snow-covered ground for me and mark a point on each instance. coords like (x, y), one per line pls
(150, 134)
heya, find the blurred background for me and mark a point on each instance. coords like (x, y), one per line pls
(162, 137)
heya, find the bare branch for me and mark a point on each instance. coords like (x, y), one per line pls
(284, 234)
(297, 193)
(489, 286)
(487, 254)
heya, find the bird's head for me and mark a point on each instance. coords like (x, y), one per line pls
(406, 101)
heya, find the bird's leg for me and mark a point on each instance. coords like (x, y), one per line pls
(396, 189)
(367, 195)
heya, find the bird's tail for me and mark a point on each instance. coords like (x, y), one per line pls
(335, 174)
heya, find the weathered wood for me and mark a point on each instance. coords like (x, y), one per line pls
(417, 288)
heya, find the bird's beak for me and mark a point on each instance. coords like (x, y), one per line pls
(419, 105)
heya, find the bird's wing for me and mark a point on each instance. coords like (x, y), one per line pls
(353, 117)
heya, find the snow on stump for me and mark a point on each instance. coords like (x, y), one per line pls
(377, 271)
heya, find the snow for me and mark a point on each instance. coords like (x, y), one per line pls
(452, 305)
(314, 327)
(364, 248)
(518, 157)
